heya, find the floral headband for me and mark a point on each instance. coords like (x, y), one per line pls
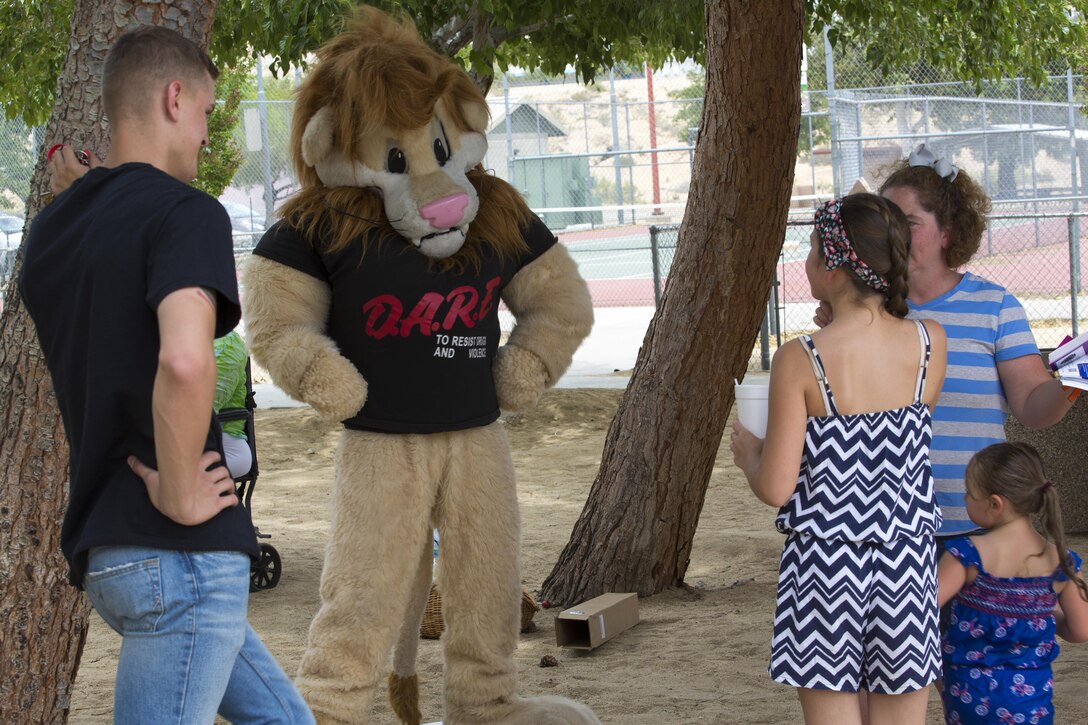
(838, 250)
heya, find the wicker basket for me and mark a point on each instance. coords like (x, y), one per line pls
(528, 609)
(432, 625)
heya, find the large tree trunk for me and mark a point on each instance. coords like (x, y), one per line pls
(636, 530)
(43, 621)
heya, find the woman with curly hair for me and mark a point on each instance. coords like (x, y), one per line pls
(994, 365)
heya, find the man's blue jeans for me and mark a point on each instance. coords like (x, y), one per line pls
(187, 650)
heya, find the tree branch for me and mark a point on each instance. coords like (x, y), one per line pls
(458, 32)
(454, 35)
(483, 48)
(501, 35)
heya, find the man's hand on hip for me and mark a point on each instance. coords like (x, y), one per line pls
(212, 492)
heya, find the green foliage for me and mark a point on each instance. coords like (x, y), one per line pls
(35, 39)
(286, 30)
(32, 44)
(552, 34)
(853, 69)
(223, 156)
(690, 115)
(966, 39)
(546, 36)
(604, 189)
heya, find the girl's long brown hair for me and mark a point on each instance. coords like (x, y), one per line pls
(880, 236)
(1014, 471)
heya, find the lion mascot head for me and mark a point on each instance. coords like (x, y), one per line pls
(388, 135)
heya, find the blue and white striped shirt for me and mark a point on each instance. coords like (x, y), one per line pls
(985, 325)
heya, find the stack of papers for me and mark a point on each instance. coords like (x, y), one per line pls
(1070, 361)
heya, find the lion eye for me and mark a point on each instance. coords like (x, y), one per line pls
(440, 152)
(396, 163)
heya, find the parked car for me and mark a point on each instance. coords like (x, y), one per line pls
(247, 224)
(11, 230)
(11, 235)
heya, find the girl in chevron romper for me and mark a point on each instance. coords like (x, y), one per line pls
(1004, 586)
(857, 592)
(994, 366)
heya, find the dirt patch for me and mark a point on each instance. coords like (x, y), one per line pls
(698, 656)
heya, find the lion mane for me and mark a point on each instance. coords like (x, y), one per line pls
(378, 73)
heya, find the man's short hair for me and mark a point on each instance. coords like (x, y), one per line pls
(142, 60)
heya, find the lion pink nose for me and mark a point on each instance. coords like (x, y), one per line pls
(445, 212)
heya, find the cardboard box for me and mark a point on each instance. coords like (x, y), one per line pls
(592, 623)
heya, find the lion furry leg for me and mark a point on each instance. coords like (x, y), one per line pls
(382, 501)
(481, 590)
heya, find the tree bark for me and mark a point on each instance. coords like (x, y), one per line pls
(636, 531)
(43, 620)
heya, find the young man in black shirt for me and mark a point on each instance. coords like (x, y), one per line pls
(128, 276)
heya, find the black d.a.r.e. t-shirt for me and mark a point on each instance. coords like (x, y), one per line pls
(423, 338)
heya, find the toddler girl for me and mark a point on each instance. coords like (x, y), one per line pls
(1004, 586)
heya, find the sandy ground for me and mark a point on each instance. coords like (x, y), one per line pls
(698, 655)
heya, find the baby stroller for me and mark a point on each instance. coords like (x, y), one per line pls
(264, 572)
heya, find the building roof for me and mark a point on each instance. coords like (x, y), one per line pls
(526, 118)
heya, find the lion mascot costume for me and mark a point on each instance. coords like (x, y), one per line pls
(375, 300)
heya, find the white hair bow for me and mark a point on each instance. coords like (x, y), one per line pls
(922, 156)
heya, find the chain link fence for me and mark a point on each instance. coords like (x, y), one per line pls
(608, 167)
(18, 146)
(1021, 146)
(1040, 258)
(606, 155)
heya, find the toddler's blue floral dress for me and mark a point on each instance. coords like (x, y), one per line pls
(999, 645)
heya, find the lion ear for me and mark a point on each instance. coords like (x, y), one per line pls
(476, 115)
(317, 138)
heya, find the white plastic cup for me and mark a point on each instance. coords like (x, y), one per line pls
(752, 407)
